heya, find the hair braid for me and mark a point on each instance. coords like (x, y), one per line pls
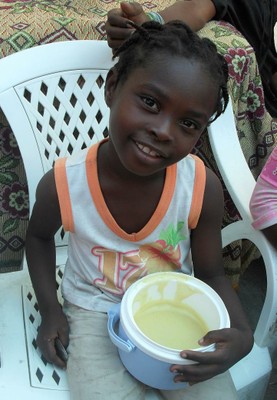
(174, 39)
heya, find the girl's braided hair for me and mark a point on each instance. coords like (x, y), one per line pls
(174, 39)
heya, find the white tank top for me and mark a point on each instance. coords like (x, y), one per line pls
(104, 260)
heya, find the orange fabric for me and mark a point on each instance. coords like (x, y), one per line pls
(63, 195)
(198, 192)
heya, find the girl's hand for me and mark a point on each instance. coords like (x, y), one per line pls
(231, 345)
(117, 26)
(53, 326)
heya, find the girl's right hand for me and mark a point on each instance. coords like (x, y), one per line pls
(53, 326)
(117, 27)
(231, 345)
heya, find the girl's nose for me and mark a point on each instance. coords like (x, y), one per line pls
(162, 129)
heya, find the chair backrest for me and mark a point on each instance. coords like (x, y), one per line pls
(231, 162)
(56, 107)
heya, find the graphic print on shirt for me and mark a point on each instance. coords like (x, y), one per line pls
(120, 270)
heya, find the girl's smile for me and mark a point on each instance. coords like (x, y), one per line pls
(149, 151)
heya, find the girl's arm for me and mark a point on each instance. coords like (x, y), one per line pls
(41, 258)
(206, 250)
(206, 247)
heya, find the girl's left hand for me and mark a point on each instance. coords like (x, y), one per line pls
(231, 345)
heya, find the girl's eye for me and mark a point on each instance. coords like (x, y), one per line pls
(150, 102)
(189, 124)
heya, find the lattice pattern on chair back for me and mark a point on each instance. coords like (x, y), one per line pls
(67, 112)
(42, 374)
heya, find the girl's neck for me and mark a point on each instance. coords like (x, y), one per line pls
(131, 199)
(109, 164)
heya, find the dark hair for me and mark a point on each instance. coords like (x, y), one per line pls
(177, 39)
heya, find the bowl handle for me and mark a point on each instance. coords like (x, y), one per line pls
(113, 318)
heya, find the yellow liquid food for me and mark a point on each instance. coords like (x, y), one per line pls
(171, 325)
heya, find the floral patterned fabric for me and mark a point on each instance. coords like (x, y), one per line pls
(27, 23)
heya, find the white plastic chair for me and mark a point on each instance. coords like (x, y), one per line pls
(52, 96)
(251, 374)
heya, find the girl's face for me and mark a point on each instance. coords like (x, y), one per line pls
(158, 114)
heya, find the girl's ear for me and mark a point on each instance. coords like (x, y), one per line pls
(110, 86)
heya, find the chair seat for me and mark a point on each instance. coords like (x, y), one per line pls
(22, 369)
(251, 383)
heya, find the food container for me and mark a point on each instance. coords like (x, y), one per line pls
(155, 315)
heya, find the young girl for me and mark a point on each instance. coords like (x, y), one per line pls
(134, 204)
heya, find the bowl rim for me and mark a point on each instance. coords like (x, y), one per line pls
(143, 342)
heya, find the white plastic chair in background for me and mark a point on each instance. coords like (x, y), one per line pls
(251, 374)
(53, 98)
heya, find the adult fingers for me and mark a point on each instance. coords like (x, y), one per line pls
(116, 18)
(117, 29)
(133, 11)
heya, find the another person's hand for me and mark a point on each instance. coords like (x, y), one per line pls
(231, 345)
(118, 27)
(53, 326)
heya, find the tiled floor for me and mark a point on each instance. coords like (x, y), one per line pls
(252, 292)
